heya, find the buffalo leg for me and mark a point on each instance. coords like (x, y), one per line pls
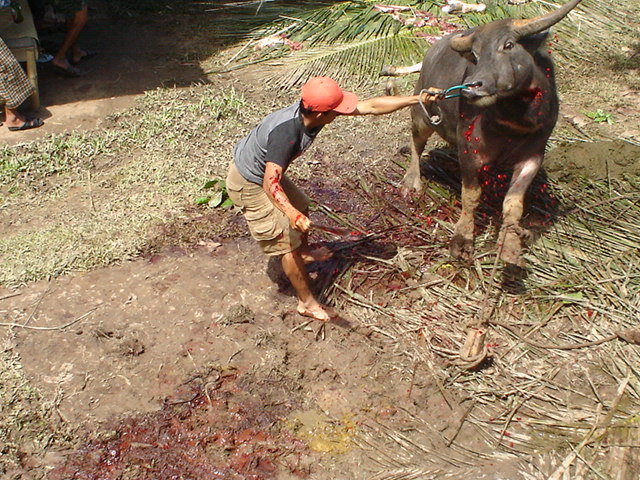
(420, 133)
(511, 233)
(462, 240)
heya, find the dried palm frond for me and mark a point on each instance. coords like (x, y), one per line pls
(541, 396)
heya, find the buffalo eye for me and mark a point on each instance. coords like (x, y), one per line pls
(508, 46)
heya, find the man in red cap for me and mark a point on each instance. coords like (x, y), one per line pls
(276, 211)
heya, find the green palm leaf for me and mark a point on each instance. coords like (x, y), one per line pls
(348, 62)
(353, 40)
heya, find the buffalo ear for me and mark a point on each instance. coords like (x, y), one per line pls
(533, 42)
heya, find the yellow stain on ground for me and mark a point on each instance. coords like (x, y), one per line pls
(323, 434)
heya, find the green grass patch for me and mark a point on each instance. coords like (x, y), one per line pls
(78, 201)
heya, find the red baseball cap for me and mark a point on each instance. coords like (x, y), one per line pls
(323, 94)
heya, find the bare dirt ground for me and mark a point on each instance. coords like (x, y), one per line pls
(195, 356)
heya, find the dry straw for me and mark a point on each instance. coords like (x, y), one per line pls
(562, 384)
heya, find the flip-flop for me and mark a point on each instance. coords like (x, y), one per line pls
(44, 58)
(87, 55)
(71, 72)
(28, 124)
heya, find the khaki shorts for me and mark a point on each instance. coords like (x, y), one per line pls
(268, 225)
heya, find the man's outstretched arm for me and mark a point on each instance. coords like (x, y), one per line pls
(389, 104)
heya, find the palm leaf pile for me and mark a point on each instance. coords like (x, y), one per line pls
(352, 41)
(560, 395)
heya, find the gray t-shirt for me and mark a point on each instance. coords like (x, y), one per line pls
(280, 138)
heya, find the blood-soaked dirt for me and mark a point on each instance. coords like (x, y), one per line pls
(212, 427)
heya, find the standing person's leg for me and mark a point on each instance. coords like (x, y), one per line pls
(295, 269)
(15, 88)
(301, 202)
(294, 262)
(77, 14)
(15, 121)
(270, 227)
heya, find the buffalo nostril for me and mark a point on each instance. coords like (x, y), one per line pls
(473, 84)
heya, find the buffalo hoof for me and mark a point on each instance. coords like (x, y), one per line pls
(526, 236)
(461, 248)
(511, 249)
(513, 278)
(411, 184)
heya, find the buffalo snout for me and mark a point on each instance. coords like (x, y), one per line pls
(474, 90)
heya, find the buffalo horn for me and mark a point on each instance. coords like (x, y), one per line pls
(524, 28)
(461, 43)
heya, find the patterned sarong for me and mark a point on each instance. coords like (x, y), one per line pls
(15, 86)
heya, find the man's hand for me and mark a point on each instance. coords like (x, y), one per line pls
(300, 222)
(431, 95)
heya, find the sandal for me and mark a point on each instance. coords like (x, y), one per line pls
(71, 71)
(28, 124)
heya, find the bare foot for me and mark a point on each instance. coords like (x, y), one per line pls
(316, 311)
(61, 63)
(77, 55)
(319, 254)
(80, 55)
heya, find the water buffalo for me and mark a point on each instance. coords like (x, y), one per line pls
(504, 119)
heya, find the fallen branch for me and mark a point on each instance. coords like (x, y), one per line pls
(10, 295)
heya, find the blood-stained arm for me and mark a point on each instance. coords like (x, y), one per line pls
(271, 185)
(389, 104)
(281, 148)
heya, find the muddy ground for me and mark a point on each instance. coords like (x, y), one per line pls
(190, 362)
